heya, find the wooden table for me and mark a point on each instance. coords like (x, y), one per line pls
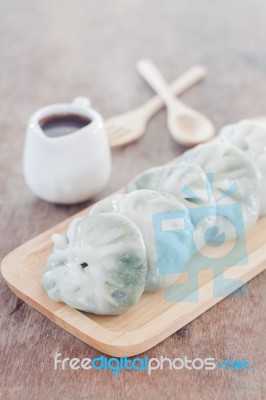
(52, 51)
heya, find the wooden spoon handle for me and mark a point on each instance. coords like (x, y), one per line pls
(155, 79)
(179, 86)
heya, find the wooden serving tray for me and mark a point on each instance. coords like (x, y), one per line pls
(149, 322)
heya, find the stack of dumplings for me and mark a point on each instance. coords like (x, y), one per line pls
(107, 259)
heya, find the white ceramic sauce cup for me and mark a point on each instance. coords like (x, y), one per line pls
(71, 168)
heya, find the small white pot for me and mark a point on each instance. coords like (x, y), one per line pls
(67, 169)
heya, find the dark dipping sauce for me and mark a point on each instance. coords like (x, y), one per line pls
(64, 124)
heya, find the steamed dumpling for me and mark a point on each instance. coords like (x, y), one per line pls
(250, 137)
(98, 266)
(141, 206)
(185, 181)
(235, 181)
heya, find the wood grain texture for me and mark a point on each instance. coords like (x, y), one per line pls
(51, 52)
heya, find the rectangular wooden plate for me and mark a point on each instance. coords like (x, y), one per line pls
(149, 322)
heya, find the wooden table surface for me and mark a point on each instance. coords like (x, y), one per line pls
(52, 51)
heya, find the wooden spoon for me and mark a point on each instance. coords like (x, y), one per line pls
(185, 125)
(130, 126)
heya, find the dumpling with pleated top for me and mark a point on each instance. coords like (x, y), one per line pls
(189, 184)
(99, 265)
(166, 229)
(235, 184)
(250, 137)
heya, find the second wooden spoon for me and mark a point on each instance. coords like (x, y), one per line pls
(185, 125)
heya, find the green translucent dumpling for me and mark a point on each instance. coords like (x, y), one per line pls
(235, 180)
(140, 207)
(185, 181)
(98, 266)
(250, 137)
(188, 183)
